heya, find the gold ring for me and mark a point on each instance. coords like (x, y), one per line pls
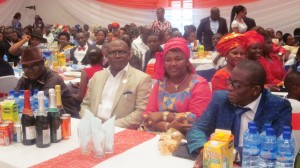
(149, 122)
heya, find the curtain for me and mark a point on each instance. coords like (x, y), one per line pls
(277, 14)
(138, 4)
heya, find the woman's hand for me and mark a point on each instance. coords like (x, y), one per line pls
(153, 118)
(179, 125)
(26, 38)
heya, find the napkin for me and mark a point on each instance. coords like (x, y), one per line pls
(84, 132)
(98, 136)
(109, 129)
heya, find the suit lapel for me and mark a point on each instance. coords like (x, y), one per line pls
(123, 85)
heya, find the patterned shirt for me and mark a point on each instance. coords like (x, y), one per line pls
(158, 26)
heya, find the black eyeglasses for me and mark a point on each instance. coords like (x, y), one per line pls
(237, 84)
(118, 52)
(33, 66)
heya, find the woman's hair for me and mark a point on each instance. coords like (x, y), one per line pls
(161, 36)
(17, 15)
(64, 34)
(235, 11)
(127, 39)
(102, 30)
(285, 36)
(187, 33)
(95, 53)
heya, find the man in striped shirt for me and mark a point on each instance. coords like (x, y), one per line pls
(160, 23)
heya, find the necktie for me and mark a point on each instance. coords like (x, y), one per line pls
(81, 48)
(237, 124)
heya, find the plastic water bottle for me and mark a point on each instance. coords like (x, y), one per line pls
(267, 156)
(46, 102)
(285, 152)
(21, 101)
(11, 95)
(250, 124)
(251, 149)
(263, 134)
(298, 68)
(5, 58)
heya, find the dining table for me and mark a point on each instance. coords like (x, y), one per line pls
(132, 149)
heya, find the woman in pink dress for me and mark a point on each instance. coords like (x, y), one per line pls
(178, 90)
(95, 58)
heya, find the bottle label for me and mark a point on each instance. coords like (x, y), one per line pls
(58, 133)
(27, 112)
(30, 132)
(46, 136)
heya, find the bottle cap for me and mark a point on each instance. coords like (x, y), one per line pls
(40, 93)
(266, 126)
(21, 92)
(251, 123)
(57, 87)
(11, 92)
(286, 135)
(35, 91)
(287, 128)
(252, 129)
(270, 132)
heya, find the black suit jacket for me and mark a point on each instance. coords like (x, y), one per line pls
(250, 23)
(84, 61)
(204, 29)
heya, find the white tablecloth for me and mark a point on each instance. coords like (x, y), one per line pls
(144, 155)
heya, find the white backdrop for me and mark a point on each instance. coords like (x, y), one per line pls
(278, 14)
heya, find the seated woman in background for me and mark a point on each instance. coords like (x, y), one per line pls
(255, 43)
(154, 47)
(290, 45)
(232, 47)
(273, 65)
(95, 58)
(164, 36)
(100, 38)
(296, 63)
(178, 91)
(237, 23)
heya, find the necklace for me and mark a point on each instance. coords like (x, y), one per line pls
(177, 85)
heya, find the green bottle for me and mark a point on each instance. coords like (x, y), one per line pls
(297, 160)
(54, 118)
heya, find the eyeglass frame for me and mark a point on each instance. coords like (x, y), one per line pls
(117, 52)
(237, 84)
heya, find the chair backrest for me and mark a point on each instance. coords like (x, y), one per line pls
(7, 83)
(207, 74)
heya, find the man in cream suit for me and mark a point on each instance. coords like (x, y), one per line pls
(119, 90)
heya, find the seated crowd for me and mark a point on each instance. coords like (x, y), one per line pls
(144, 77)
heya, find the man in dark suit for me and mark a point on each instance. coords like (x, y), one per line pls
(250, 23)
(209, 26)
(78, 53)
(245, 91)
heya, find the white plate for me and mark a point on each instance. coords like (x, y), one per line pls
(73, 74)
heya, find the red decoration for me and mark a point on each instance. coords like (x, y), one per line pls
(124, 140)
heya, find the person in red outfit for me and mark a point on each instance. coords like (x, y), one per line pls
(178, 90)
(95, 58)
(232, 47)
(255, 46)
(273, 66)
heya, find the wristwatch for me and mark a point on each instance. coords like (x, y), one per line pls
(165, 115)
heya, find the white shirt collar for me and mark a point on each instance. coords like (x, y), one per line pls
(254, 105)
(124, 70)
